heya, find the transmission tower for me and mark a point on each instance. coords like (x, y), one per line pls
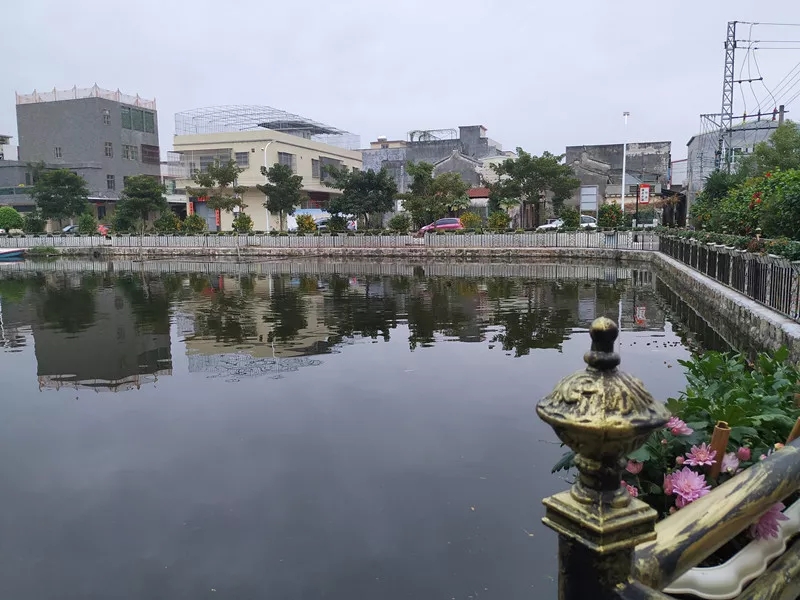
(726, 114)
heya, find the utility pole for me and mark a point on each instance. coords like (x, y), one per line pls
(625, 116)
(726, 121)
(780, 115)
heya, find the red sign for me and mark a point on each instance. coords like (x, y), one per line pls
(641, 315)
(218, 217)
(190, 208)
(644, 194)
(202, 198)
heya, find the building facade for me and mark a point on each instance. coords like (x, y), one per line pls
(599, 169)
(101, 135)
(255, 137)
(463, 150)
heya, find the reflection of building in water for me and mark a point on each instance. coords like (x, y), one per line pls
(641, 310)
(111, 352)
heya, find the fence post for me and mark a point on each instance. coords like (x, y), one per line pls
(602, 414)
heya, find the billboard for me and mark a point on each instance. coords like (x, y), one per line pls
(644, 194)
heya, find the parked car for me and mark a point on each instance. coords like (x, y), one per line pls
(2, 231)
(447, 224)
(70, 229)
(101, 229)
(587, 222)
(322, 224)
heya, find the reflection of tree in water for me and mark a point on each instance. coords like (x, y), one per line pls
(370, 312)
(437, 306)
(287, 309)
(544, 322)
(150, 298)
(67, 307)
(227, 316)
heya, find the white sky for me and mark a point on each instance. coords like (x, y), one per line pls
(541, 75)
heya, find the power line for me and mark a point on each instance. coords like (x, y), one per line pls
(758, 69)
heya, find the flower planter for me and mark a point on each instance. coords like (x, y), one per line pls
(728, 579)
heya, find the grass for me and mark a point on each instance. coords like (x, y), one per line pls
(42, 251)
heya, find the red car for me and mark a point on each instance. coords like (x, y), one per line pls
(447, 224)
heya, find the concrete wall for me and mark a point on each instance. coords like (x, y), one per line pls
(466, 168)
(78, 128)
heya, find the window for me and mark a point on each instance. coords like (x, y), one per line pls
(110, 184)
(101, 212)
(210, 157)
(137, 119)
(151, 155)
(355, 169)
(109, 150)
(314, 168)
(130, 152)
(57, 152)
(126, 117)
(284, 158)
(149, 122)
(106, 117)
(27, 178)
(243, 159)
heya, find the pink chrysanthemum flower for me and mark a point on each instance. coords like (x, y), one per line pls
(768, 525)
(729, 463)
(632, 490)
(678, 427)
(668, 484)
(701, 455)
(743, 453)
(688, 486)
(634, 467)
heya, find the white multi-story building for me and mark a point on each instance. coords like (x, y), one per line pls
(256, 136)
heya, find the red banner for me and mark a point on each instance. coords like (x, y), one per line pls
(190, 208)
(218, 216)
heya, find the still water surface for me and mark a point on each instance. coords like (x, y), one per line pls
(295, 435)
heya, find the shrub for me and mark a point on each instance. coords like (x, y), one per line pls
(243, 223)
(167, 222)
(571, 217)
(499, 220)
(87, 224)
(193, 224)
(470, 220)
(42, 251)
(401, 222)
(10, 218)
(337, 224)
(609, 216)
(306, 224)
(34, 223)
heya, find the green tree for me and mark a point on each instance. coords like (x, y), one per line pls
(364, 193)
(430, 198)
(528, 178)
(780, 152)
(87, 223)
(570, 217)
(400, 223)
(10, 218)
(141, 196)
(242, 223)
(610, 216)
(306, 224)
(716, 187)
(34, 223)
(284, 191)
(60, 194)
(168, 222)
(193, 224)
(219, 184)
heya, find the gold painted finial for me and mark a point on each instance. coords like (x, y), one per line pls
(604, 333)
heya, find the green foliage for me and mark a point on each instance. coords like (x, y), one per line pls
(284, 190)
(400, 222)
(499, 220)
(40, 251)
(141, 196)
(193, 224)
(471, 220)
(780, 152)
(34, 223)
(167, 222)
(780, 247)
(218, 184)
(364, 193)
(431, 198)
(610, 216)
(337, 224)
(306, 224)
(242, 223)
(60, 194)
(571, 217)
(10, 218)
(529, 177)
(87, 223)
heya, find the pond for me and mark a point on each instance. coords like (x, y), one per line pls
(297, 430)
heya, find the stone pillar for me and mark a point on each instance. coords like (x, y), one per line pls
(603, 415)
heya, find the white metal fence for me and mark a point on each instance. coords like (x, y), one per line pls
(622, 240)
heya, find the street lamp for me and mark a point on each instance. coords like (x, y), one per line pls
(625, 116)
(266, 179)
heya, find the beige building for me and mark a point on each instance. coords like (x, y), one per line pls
(257, 136)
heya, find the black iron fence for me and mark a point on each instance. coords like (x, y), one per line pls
(771, 280)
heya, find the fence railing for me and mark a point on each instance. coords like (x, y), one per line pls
(615, 240)
(771, 280)
(610, 545)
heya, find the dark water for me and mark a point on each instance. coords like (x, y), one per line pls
(269, 435)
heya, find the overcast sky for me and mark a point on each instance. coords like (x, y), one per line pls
(541, 75)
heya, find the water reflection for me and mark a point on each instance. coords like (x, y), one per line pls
(115, 330)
